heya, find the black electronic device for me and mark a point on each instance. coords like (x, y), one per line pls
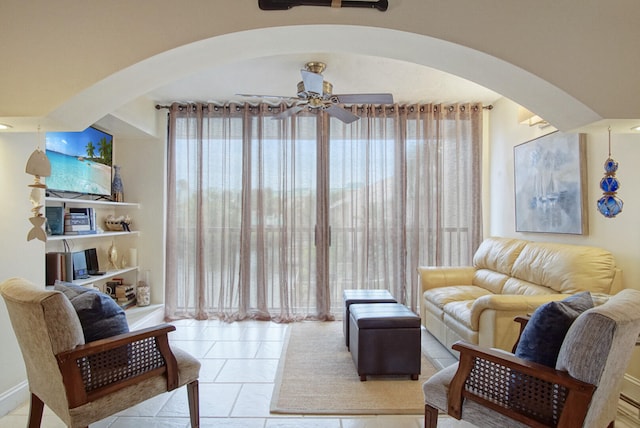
(80, 270)
(381, 5)
(91, 256)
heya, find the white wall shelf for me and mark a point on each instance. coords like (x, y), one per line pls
(53, 199)
(91, 235)
(107, 275)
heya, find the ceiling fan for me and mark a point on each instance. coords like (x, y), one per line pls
(316, 93)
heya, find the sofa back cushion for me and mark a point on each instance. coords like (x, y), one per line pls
(565, 268)
(498, 254)
(525, 288)
(494, 260)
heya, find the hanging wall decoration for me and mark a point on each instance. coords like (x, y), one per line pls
(609, 204)
(37, 165)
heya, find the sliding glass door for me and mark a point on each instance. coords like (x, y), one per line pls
(273, 219)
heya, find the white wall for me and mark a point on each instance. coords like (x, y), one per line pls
(19, 257)
(620, 235)
(142, 171)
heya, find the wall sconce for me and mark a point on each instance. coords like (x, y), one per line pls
(39, 166)
(525, 117)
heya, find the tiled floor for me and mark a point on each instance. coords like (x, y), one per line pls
(239, 363)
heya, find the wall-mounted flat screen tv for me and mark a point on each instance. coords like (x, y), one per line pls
(81, 162)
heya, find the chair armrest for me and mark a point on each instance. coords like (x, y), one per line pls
(442, 276)
(522, 320)
(528, 392)
(98, 368)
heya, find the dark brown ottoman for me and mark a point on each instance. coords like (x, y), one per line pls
(384, 340)
(350, 297)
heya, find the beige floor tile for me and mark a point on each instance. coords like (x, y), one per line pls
(383, 422)
(248, 370)
(157, 422)
(210, 369)
(232, 422)
(270, 350)
(197, 348)
(253, 401)
(216, 400)
(236, 349)
(309, 422)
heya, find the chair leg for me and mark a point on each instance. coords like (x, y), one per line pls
(35, 411)
(194, 403)
(430, 416)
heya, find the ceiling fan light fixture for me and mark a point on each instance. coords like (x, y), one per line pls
(313, 92)
(315, 67)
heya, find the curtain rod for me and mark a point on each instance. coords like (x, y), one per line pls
(159, 106)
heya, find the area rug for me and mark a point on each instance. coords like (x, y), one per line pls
(316, 375)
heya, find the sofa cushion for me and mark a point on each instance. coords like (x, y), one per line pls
(99, 315)
(498, 254)
(490, 280)
(461, 312)
(543, 335)
(566, 268)
(525, 288)
(443, 295)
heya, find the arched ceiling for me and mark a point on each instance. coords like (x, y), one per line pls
(69, 64)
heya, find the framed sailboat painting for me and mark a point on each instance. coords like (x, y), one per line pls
(550, 184)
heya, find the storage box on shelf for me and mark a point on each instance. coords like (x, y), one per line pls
(102, 239)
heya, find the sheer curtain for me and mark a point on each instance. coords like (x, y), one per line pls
(272, 219)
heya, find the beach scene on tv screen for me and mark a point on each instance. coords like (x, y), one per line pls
(80, 161)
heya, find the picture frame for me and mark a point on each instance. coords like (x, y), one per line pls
(550, 184)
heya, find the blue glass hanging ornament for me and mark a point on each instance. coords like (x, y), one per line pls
(609, 204)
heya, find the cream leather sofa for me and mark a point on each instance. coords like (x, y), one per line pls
(509, 277)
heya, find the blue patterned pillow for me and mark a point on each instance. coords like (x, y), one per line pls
(100, 316)
(543, 335)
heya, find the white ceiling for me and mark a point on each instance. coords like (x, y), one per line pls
(349, 73)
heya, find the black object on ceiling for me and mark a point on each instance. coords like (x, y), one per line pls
(381, 5)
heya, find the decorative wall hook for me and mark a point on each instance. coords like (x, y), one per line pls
(609, 204)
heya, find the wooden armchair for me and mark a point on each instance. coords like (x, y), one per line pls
(494, 388)
(83, 383)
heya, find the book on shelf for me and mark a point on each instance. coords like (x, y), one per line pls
(58, 266)
(76, 222)
(125, 290)
(55, 219)
(90, 213)
(127, 304)
(125, 295)
(81, 232)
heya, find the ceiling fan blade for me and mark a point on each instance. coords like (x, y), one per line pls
(312, 81)
(288, 112)
(280, 97)
(364, 98)
(341, 114)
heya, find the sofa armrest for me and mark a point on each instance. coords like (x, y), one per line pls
(443, 276)
(510, 303)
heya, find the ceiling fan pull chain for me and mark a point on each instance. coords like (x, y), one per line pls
(336, 3)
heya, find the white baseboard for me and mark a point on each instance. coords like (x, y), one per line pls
(14, 398)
